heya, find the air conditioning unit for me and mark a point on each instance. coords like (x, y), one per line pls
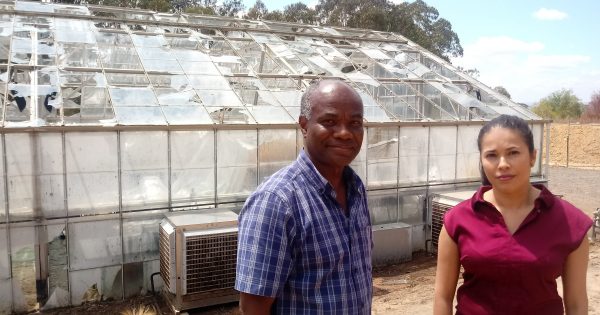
(440, 203)
(198, 257)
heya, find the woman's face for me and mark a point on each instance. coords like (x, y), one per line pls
(506, 159)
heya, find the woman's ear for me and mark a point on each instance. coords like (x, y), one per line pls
(533, 157)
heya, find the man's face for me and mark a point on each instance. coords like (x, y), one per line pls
(333, 134)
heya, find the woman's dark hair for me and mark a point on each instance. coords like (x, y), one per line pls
(509, 122)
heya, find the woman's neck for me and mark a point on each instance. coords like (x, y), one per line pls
(515, 200)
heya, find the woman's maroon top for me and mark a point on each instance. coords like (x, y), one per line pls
(514, 274)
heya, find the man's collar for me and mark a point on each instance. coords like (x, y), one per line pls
(317, 180)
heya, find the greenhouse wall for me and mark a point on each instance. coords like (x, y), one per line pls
(82, 208)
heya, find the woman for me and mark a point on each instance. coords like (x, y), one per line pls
(512, 238)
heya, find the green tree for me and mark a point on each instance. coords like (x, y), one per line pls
(299, 13)
(258, 11)
(592, 110)
(276, 15)
(201, 10)
(231, 8)
(414, 20)
(502, 90)
(561, 104)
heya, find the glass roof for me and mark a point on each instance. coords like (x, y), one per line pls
(64, 65)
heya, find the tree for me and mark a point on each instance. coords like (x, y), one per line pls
(201, 10)
(276, 15)
(231, 8)
(592, 111)
(503, 91)
(561, 104)
(299, 13)
(415, 20)
(258, 11)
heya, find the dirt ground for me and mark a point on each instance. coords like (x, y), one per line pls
(408, 288)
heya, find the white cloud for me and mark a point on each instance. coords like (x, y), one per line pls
(549, 14)
(526, 71)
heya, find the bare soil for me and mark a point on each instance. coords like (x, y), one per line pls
(408, 288)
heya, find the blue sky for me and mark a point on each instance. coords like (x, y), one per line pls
(530, 47)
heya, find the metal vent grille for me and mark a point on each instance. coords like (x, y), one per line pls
(437, 220)
(165, 256)
(210, 262)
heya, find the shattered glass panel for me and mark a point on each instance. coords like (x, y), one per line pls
(114, 39)
(82, 78)
(119, 57)
(256, 57)
(170, 97)
(230, 115)
(393, 103)
(126, 79)
(78, 55)
(86, 105)
(139, 115)
(219, 98)
(190, 55)
(177, 82)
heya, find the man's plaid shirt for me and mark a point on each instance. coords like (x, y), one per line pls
(296, 244)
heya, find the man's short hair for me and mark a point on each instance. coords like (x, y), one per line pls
(305, 104)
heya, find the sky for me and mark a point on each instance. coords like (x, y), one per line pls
(530, 47)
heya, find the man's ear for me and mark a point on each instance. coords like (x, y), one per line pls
(303, 121)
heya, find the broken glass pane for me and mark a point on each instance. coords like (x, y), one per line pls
(230, 115)
(78, 55)
(114, 39)
(169, 97)
(70, 36)
(118, 57)
(127, 79)
(219, 98)
(148, 40)
(82, 78)
(177, 82)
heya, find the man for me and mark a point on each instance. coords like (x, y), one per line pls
(304, 244)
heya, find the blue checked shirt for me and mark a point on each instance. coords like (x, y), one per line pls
(295, 244)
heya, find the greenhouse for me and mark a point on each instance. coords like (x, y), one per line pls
(113, 117)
